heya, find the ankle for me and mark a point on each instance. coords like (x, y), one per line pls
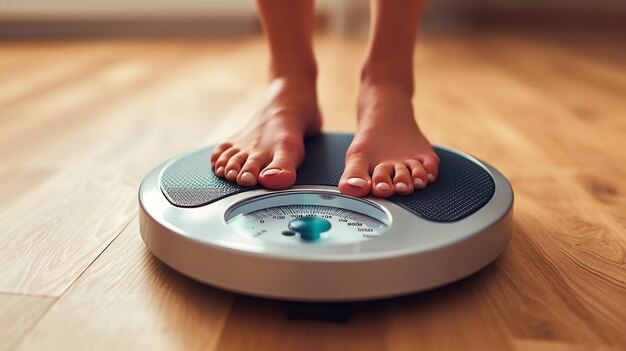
(297, 82)
(383, 95)
(293, 95)
(294, 69)
(373, 89)
(295, 88)
(388, 75)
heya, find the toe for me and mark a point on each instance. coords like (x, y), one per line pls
(234, 165)
(249, 174)
(430, 163)
(281, 172)
(381, 178)
(418, 174)
(355, 180)
(218, 151)
(402, 181)
(222, 160)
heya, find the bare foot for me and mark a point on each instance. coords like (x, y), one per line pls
(271, 148)
(389, 154)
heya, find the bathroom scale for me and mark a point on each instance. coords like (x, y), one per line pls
(312, 243)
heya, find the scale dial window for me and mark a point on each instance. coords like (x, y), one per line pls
(317, 218)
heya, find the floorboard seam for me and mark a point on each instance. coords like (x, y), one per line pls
(56, 299)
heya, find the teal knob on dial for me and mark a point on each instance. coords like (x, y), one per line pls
(309, 227)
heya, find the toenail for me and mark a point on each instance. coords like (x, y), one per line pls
(418, 182)
(247, 177)
(358, 182)
(383, 186)
(272, 171)
(401, 186)
(220, 171)
(232, 174)
(430, 177)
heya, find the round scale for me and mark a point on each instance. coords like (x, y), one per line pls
(311, 242)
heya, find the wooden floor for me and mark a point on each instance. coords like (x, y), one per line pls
(82, 122)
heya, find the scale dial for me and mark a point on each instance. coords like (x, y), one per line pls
(320, 218)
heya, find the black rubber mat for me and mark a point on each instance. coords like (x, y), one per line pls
(462, 186)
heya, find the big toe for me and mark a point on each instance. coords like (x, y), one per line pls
(355, 180)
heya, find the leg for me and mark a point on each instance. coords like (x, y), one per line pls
(270, 149)
(389, 154)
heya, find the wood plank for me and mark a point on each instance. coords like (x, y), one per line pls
(47, 266)
(44, 245)
(587, 88)
(26, 76)
(459, 115)
(17, 178)
(535, 345)
(76, 101)
(18, 314)
(581, 259)
(52, 233)
(450, 318)
(147, 83)
(494, 92)
(129, 300)
(608, 190)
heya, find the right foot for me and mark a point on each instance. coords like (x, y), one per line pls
(272, 147)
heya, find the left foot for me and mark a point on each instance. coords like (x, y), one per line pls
(389, 154)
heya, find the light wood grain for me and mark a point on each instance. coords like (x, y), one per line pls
(77, 137)
(18, 314)
(159, 309)
(99, 183)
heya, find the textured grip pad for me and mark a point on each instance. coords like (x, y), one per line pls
(462, 186)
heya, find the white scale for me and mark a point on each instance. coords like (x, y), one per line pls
(312, 243)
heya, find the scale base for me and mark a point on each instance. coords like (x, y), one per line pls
(453, 228)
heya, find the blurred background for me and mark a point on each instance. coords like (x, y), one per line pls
(45, 18)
